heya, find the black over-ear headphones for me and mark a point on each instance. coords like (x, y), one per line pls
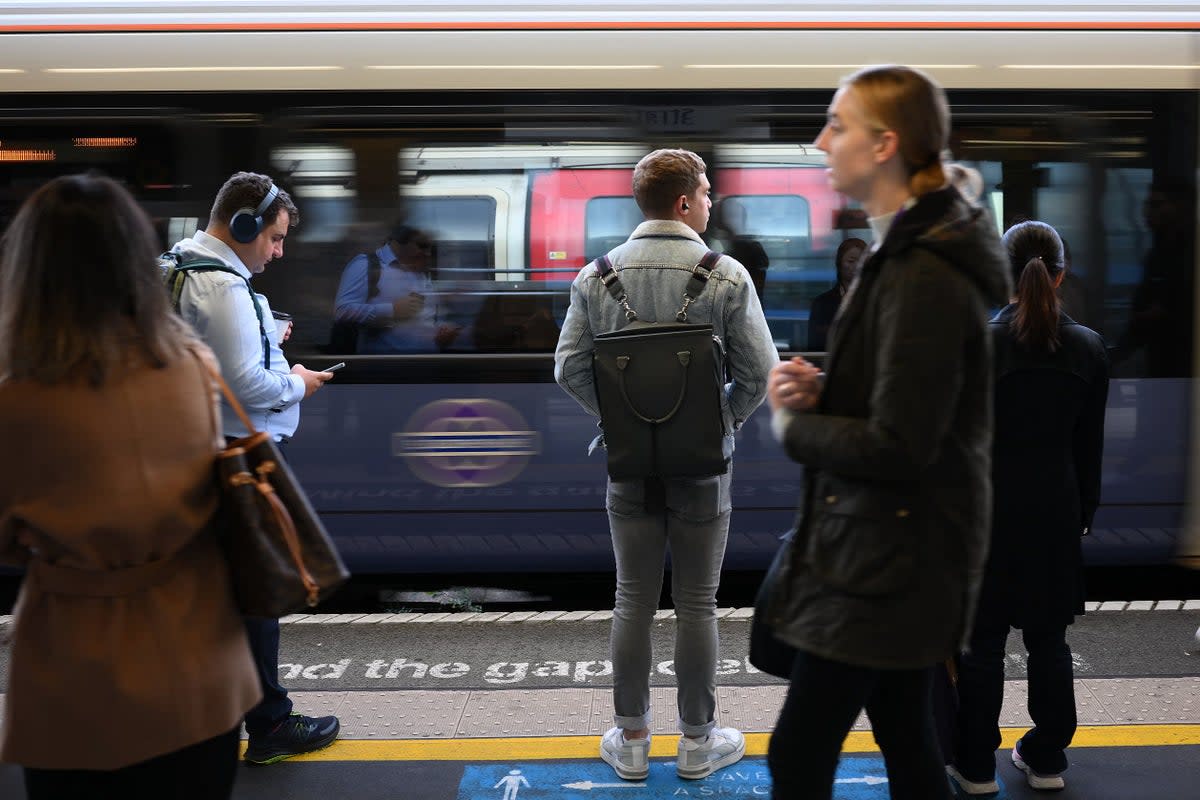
(247, 223)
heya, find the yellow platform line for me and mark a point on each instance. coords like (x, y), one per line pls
(537, 748)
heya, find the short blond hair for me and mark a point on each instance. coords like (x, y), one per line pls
(661, 177)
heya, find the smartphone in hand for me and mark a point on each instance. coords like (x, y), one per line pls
(335, 367)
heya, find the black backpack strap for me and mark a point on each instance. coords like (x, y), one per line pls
(612, 282)
(696, 284)
(175, 272)
(374, 270)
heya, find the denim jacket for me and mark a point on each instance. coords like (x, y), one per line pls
(655, 265)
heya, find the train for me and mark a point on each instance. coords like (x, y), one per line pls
(507, 131)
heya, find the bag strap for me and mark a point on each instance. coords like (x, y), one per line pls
(233, 401)
(374, 271)
(176, 274)
(283, 517)
(695, 285)
(612, 282)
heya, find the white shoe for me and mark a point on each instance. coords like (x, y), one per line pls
(699, 758)
(972, 787)
(1037, 780)
(629, 757)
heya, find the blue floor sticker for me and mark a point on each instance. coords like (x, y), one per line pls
(858, 778)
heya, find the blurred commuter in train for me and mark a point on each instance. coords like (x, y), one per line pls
(1050, 392)
(825, 305)
(387, 297)
(1161, 316)
(1072, 295)
(733, 237)
(688, 515)
(246, 228)
(130, 670)
(888, 551)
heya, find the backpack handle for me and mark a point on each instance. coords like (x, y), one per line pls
(685, 360)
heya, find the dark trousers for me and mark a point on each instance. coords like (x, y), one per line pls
(981, 693)
(264, 648)
(822, 703)
(202, 771)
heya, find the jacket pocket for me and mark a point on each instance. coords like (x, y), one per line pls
(861, 541)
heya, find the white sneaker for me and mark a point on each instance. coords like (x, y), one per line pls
(1037, 780)
(972, 787)
(699, 758)
(629, 757)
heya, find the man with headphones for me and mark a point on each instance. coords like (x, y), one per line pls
(246, 228)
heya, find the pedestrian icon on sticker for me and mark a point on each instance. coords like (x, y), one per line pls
(512, 783)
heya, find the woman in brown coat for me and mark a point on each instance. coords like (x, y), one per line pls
(130, 671)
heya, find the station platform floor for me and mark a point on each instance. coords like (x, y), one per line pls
(1139, 717)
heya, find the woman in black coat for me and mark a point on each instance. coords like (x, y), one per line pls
(1051, 390)
(889, 550)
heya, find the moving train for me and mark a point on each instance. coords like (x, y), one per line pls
(507, 132)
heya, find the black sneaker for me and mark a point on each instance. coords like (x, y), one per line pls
(295, 735)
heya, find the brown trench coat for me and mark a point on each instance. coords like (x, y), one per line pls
(111, 668)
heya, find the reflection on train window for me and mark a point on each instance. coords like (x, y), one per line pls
(608, 221)
(462, 230)
(321, 180)
(775, 214)
(779, 222)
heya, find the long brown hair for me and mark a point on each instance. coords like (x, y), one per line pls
(914, 105)
(80, 288)
(1035, 256)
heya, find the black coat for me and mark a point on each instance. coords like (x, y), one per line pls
(820, 317)
(892, 535)
(1045, 472)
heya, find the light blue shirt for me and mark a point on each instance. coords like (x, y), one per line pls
(220, 308)
(380, 331)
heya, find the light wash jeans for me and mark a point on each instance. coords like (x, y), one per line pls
(695, 525)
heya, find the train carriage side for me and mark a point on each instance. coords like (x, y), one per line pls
(467, 457)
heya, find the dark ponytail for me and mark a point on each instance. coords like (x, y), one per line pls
(1035, 255)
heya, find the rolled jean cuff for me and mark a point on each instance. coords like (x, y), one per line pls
(696, 730)
(633, 723)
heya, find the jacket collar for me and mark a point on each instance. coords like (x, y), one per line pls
(657, 228)
(1005, 315)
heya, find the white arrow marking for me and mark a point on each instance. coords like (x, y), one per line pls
(869, 780)
(588, 785)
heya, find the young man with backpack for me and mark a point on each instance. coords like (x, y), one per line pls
(209, 275)
(665, 274)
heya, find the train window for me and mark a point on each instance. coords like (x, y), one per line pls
(608, 221)
(462, 234)
(775, 213)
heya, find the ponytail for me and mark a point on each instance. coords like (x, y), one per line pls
(927, 179)
(1035, 321)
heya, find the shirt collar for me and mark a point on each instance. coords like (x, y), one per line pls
(664, 227)
(221, 251)
(386, 255)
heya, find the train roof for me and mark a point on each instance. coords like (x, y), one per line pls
(291, 45)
